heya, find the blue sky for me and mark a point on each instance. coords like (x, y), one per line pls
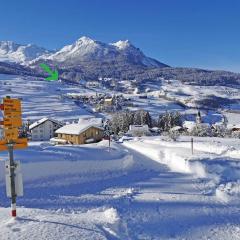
(192, 33)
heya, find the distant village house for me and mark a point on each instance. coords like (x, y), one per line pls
(138, 130)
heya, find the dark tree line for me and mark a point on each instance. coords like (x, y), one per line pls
(121, 121)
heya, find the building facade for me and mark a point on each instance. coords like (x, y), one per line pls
(44, 129)
(80, 134)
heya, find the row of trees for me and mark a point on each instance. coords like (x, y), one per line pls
(122, 120)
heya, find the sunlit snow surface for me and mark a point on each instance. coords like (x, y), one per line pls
(144, 188)
(41, 98)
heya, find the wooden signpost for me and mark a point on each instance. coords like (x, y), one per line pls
(12, 120)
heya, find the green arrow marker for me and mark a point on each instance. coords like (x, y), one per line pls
(53, 74)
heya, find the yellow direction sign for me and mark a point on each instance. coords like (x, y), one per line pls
(11, 134)
(13, 114)
(19, 144)
(12, 122)
(11, 105)
(17, 141)
(16, 146)
(21, 141)
(12, 102)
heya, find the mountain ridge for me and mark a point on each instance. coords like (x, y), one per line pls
(82, 50)
(88, 59)
(20, 53)
(86, 49)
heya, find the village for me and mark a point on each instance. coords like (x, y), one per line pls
(122, 125)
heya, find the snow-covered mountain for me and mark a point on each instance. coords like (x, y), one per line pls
(89, 59)
(13, 52)
(88, 50)
(127, 49)
(84, 50)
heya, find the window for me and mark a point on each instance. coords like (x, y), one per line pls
(96, 132)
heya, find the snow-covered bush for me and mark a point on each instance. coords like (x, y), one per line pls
(235, 134)
(173, 135)
(220, 131)
(201, 130)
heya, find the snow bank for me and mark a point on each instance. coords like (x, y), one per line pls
(100, 223)
(176, 159)
(229, 191)
(219, 162)
(64, 165)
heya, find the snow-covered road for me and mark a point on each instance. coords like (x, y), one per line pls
(132, 192)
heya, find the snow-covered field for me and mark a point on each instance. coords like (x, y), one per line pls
(144, 188)
(42, 98)
(45, 99)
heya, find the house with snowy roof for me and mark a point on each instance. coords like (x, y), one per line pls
(138, 130)
(79, 133)
(44, 129)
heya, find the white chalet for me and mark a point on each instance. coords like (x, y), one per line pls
(44, 129)
(138, 130)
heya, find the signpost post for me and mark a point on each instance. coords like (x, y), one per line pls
(12, 179)
(11, 122)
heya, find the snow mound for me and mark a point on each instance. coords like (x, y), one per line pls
(210, 161)
(43, 224)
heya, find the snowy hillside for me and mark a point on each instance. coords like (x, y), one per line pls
(13, 52)
(42, 98)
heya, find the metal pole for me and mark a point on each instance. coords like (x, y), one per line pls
(12, 179)
(192, 145)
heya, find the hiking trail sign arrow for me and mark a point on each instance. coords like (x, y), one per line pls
(53, 74)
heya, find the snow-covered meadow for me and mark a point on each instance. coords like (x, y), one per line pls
(143, 188)
(41, 98)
